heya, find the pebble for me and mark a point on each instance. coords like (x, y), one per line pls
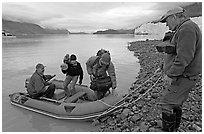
(126, 112)
(152, 129)
(197, 127)
(136, 118)
(155, 95)
(95, 123)
(143, 127)
(159, 123)
(136, 129)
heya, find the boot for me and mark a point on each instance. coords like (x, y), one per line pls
(178, 112)
(168, 122)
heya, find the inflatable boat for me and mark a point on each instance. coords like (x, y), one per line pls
(80, 106)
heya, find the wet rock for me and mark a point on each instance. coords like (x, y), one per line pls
(126, 130)
(197, 128)
(126, 112)
(95, 123)
(159, 123)
(125, 125)
(180, 130)
(117, 130)
(136, 118)
(104, 119)
(134, 108)
(139, 106)
(153, 123)
(136, 129)
(142, 91)
(143, 127)
(152, 129)
(155, 95)
(185, 116)
(108, 130)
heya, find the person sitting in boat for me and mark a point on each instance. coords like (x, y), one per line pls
(73, 71)
(38, 85)
(97, 67)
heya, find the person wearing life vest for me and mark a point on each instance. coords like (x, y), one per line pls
(182, 66)
(101, 66)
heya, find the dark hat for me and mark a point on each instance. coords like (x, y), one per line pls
(39, 65)
(171, 12)
(73, 57)
(106, 58)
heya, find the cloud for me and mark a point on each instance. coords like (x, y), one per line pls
(86, 16)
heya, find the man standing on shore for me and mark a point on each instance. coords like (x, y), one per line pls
(181, 68)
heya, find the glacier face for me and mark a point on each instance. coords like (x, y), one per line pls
(159, 29)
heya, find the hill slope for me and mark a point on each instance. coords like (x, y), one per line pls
(19, 28)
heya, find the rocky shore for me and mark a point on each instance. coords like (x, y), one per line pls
(140, 112)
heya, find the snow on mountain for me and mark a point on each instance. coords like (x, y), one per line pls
(198, 21)
(159, 29)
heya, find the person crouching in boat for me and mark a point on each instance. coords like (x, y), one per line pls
(38, 85)
(73, 71)
(97, 67)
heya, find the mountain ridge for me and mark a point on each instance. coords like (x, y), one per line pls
(23, 28)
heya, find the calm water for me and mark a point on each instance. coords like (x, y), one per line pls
(20, 55)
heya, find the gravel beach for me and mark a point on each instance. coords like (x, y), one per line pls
(141, 113)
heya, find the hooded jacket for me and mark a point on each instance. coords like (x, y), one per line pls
(101, 70)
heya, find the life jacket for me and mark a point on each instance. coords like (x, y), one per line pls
(96, 62)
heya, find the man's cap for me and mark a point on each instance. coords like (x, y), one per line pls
(106, 58)
(39, 65)
(171, 12)
(73, 57)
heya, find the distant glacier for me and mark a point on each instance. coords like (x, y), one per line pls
(159, 29)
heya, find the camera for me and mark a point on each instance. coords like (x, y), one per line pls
(166, 47)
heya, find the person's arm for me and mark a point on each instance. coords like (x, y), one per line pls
(89, 65)
(111, 73)
(81, 74)
(185, 52)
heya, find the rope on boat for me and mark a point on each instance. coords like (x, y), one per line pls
(106, 104)
(105, 112)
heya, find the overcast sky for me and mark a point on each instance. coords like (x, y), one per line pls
(86, 16)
